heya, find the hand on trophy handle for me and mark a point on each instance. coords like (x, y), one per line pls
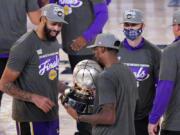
(62, 86)
(71, 111)
(64, 96)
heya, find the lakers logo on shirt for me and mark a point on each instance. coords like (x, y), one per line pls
(66, 9)
(52, 74)
(69, 5)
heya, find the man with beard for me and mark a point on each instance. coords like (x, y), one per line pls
(143, 58)
(31, 76)
(115, 99)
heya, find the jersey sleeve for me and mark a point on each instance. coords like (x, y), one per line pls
(18, 57)
(106, 90)
(168, 65)
(31, 5)
(157, 58)
(100, 11)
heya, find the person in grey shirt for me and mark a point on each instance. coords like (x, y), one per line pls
(86, 19)
(31, 76)
(13, 24)
(167, 100)
(115, 99)
(143, 58)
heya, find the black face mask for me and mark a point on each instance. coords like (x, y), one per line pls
(48, 35)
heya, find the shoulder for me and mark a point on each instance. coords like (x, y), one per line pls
(151, 46)
(115, 69)
(31, 5)
(23, 42)
(172, 48)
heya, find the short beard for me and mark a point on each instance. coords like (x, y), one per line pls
(48, 35)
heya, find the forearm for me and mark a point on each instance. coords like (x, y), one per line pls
(14, 91)
(101, 16)
(106, 116)
(95, 119)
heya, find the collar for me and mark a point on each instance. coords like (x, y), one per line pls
(126, 45)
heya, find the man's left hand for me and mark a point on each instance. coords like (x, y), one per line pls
(71, 111)
(79, 43)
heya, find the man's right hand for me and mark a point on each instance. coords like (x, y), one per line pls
(153, 129)
(44, 103)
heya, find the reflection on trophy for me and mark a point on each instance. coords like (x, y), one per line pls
(81, 95)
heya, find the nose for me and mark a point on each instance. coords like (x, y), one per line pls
(58, 27)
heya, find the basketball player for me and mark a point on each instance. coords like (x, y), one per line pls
(31, 76)
(115, 99)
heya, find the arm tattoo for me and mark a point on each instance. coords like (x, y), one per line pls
(13, 90)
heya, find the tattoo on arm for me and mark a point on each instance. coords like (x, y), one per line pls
(13, 90)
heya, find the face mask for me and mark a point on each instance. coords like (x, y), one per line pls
(132, 34)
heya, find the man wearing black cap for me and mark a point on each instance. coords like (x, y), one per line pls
(31, 76)
(115, 99)
(167, 100)
(143, 58)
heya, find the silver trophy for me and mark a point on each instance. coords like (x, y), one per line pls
(81, 95)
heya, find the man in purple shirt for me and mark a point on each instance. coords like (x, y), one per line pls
(167, 100)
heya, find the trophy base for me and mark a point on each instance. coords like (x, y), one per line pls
(81, 103)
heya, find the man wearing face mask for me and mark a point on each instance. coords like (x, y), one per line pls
(143, 58)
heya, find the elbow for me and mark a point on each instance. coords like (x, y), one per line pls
(110, 119)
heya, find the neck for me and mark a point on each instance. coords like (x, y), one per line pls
(135, 42)
(40, 33)
(110, 60)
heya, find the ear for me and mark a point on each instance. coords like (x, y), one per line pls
(43, 19)
(143, 26)
(178, 27)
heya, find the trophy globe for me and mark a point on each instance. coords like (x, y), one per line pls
(81, 95)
